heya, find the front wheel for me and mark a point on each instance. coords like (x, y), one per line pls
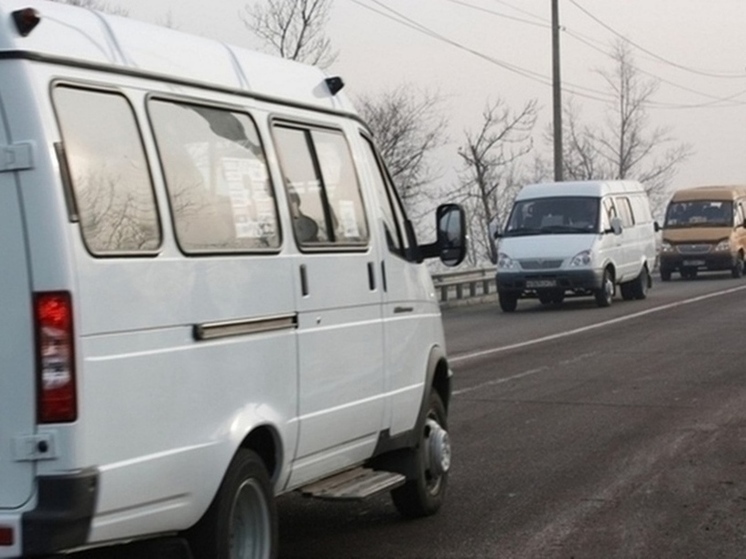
(605, 294)
(241, 522)
(424, 494)
(738, 267)
(508, 302)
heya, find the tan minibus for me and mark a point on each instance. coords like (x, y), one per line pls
(704, 230)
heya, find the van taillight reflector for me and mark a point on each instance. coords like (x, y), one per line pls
(57, 399)
(6, 535)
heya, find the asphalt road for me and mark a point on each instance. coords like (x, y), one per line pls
(578, 432)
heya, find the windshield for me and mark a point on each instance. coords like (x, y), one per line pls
(541, 216)
(699, 213)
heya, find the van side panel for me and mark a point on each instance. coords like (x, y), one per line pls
(16, 344)
(164, 412)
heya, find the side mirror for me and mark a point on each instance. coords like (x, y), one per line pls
(616, 225)
(657, 226)
(450, 245)
(495, 230)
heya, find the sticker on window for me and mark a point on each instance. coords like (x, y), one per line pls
(348, 219)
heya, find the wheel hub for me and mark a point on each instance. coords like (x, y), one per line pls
(439, 448)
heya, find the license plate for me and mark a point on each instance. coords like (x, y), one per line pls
(534, 284)
(694, 262)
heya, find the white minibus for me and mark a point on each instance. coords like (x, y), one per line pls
(571, 239)
(211, 294)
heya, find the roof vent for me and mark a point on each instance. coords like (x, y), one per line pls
(26, 20)
(335, 84)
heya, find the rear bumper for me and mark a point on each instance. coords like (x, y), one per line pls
(566, 280)
(61, 519)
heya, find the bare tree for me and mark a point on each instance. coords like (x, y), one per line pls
(407, 127)
(489, 178)
(625, 145)
(100, 5)
(293, 29)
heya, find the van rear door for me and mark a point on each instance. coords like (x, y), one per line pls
(16, 338)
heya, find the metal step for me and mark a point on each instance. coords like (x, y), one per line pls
(353, 484)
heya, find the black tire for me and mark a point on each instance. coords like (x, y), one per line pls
(605, 294)
(641, 285)
(627, 290)
(424, 494)
(508, 302)
(737, 270)
(242, 519)
(665, 275)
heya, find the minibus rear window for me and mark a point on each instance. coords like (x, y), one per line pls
(109, 173)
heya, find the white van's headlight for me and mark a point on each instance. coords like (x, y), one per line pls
(666, 247)
(581, 259)
(505, 262)
(723, 246)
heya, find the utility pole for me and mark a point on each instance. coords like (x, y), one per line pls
(556, 92)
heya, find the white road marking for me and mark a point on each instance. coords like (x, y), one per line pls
(494, 350)
(500, 381)
(523, 374)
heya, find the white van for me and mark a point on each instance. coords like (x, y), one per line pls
(575, 239)
(211, 294)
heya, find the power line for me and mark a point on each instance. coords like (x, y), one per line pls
(716, 100)
(499, 14)
(400, 18)
(732, 99)
(524, 12)
(575, 89)
(650, 53)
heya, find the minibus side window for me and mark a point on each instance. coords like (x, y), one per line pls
(625, 212)
(216, 177)
(322, 187)
(608, 214)
(111, 182)
(387, 200)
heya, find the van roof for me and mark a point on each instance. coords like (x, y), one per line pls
(72, 35)
(579, 188)
(724, 192)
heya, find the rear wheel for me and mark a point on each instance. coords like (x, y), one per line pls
(627, 290)
(241, 522)
(508, 302)
(641, 285)
(424, 494)
(605, 294)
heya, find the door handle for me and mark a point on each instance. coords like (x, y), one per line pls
(303, 280)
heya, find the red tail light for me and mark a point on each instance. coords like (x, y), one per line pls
(57, 401)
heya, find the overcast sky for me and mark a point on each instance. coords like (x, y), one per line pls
(489, 49)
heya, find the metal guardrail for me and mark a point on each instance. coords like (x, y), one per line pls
(474, 284)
